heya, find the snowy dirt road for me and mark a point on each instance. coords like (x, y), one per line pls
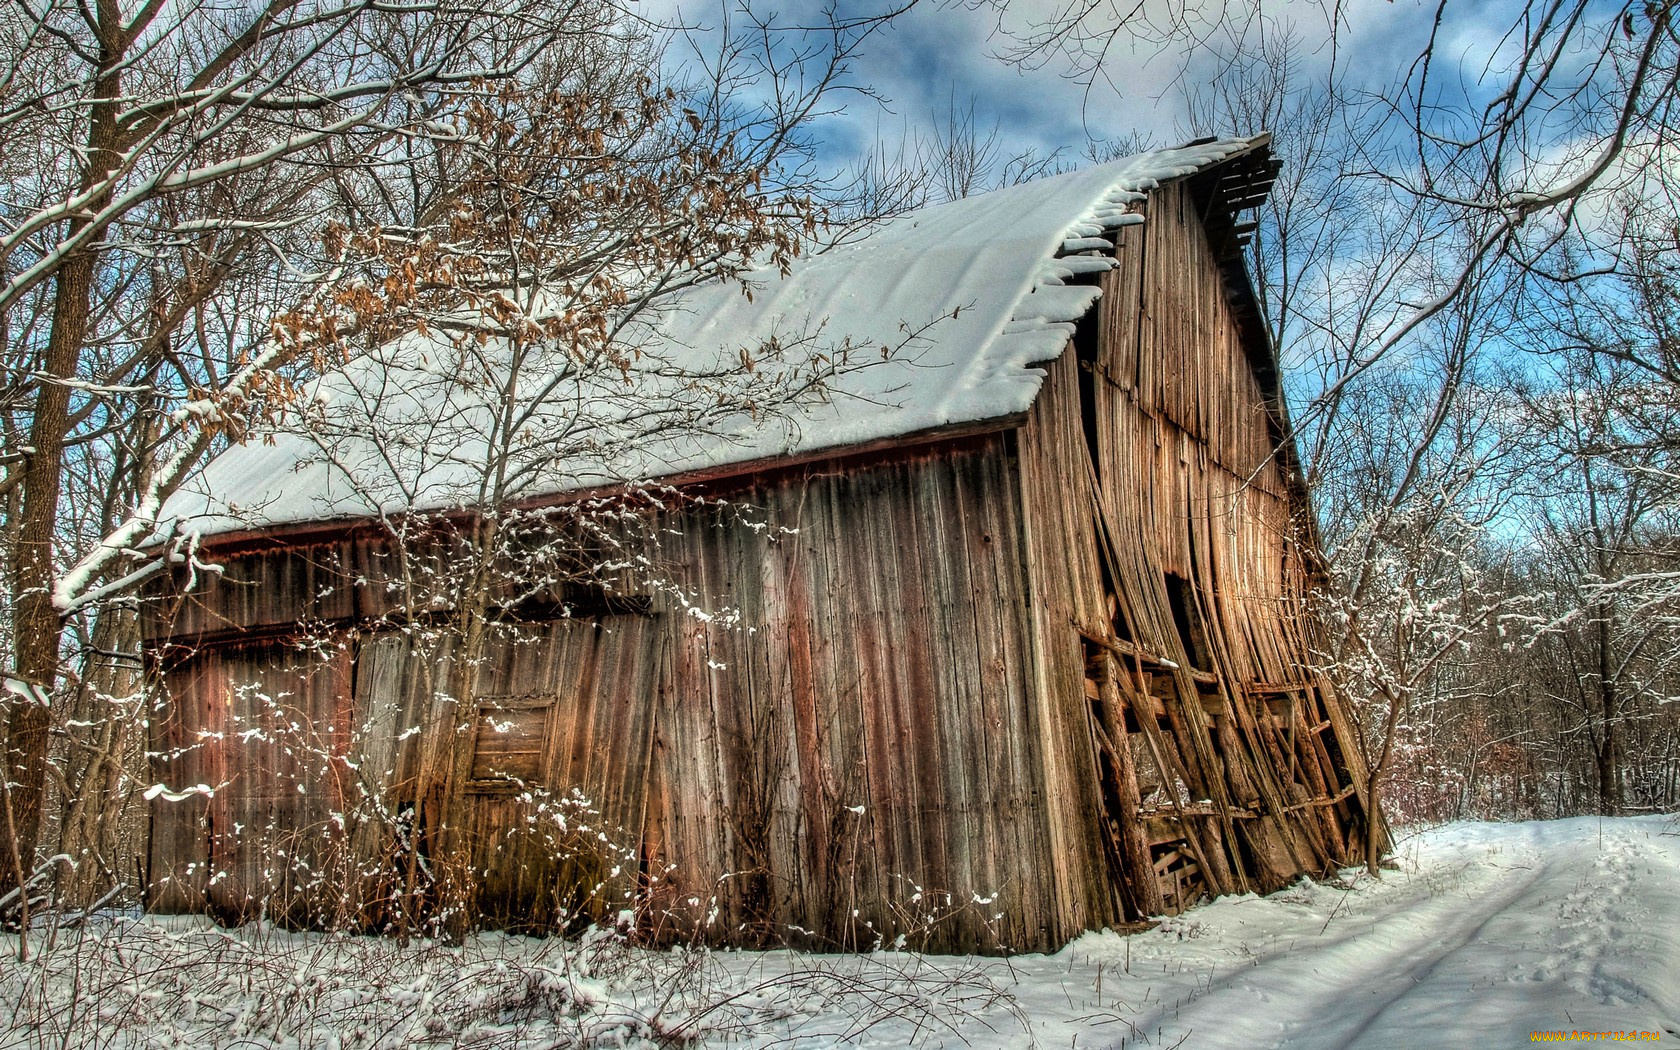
(1496, 932)
(1488, 934)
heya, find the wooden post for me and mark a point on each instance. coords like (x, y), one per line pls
(1141, 889)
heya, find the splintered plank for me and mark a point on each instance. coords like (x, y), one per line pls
(1142, 892)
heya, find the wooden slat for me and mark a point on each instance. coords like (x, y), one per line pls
(910, 706)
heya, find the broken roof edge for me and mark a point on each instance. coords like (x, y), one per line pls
(1055, 290)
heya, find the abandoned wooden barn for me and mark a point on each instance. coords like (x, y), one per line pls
(1023, 653)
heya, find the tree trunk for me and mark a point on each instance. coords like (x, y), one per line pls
(1373, 784)
(37, 630)
(440, 810)
(101, 755)
(1608, 754)
(36, 627)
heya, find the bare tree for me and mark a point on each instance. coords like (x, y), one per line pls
(192, 195)
(497, 385)
(162, 167)
(1400, 415)
(956, 156)
(1607, 501)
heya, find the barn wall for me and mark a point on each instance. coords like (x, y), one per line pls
(1165, 564)
(829, 735)
(262, 720)
(892, 663)
(1062, 553)
(979, 693)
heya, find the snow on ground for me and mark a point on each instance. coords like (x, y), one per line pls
(1487, 934)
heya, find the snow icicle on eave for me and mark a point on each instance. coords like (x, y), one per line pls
(1045, 318)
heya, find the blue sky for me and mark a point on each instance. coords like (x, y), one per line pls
(945, 55)
(938, 56)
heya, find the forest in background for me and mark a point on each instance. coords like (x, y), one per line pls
(1470, 265)
(1470, 262)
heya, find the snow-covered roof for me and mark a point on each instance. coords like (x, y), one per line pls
(970, 295)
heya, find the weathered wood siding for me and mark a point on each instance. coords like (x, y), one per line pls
(254, 736)
(838, 736)
(1161, 537)
(871, 739)
(984, 692)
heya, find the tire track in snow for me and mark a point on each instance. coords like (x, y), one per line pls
(1340, 989)
(1542, 926)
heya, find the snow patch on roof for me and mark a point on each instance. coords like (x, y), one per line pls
(972, 292)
